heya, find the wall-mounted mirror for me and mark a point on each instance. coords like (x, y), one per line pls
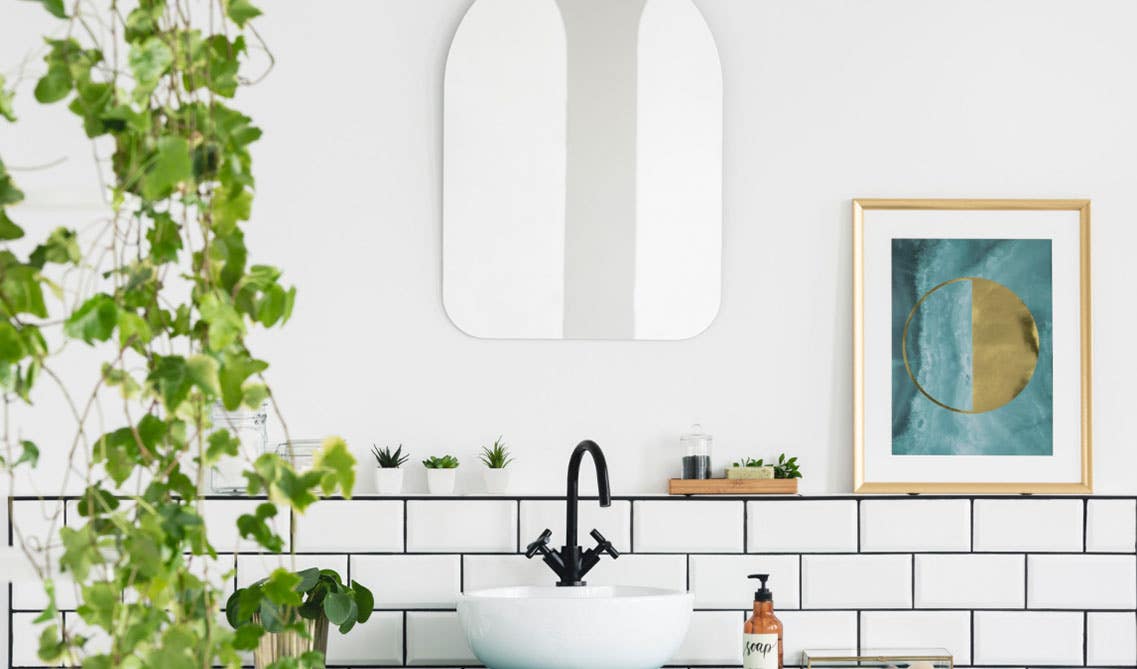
(582, 190)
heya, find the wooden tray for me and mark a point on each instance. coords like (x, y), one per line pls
(732, 486)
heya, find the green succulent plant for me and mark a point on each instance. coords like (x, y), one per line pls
(445, 462)
(497, 456)
(386, 459)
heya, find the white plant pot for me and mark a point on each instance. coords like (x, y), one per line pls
(497, 480)
(441, 481)
(389, 481)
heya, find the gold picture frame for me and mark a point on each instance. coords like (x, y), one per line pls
(860, 483)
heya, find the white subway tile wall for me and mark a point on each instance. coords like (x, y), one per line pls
(856, 581)
(410, 581)
(891, 526)
(1111, 525)
(1081, 582)
(351, 525)
(720, 581)
(919, 629)
(806, 526)
(461, 526)
(1111, 639)
(970, 581)
(1001, 582)
(679, 526)
(1032, 638)
(1031, 525)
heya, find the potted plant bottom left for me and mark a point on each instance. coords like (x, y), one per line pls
(286, 615)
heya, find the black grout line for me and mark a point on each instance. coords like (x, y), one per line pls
(913, 575)
(406, 525)
(1085, 523)
(631, 526)
(972, 532)
(746, 527)
(518, 519)
(971, 651)
(858, 526)
(1085, 638)
(404, 638)
(1026, 580)
(800, 579)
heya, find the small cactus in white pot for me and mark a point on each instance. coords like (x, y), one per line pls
(388, 472)
(440, 474)
(496, 458)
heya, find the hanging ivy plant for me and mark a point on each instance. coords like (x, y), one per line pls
(165, 289)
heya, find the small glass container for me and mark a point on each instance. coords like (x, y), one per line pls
(696, 453)
(900, 658)
(249, 427)
(303, 452)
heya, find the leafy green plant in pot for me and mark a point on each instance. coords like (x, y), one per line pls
(290, 613)
(496, 458)
(440, 474)
(388, 472)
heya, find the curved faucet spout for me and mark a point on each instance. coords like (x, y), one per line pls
(573, 494)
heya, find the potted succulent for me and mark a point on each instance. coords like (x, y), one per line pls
(388, 475)
(289, 612)
(496, 458)
(440, 474)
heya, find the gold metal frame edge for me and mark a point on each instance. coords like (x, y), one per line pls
(1082, 486)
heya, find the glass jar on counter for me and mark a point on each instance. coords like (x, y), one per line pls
(247, 426)
(696, 446)
(302, 453)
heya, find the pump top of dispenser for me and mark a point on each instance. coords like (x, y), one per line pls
(763, 594)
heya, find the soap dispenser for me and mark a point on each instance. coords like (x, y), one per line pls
(762, 633)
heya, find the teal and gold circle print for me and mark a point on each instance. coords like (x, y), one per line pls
(996, 349)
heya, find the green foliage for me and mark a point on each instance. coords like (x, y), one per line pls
(284, 599)
(786, 469)
(164, 293)
(386, 459)
(444, 462)
(496, 456)
(783, 469)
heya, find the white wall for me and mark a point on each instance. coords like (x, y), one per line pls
(824, 101)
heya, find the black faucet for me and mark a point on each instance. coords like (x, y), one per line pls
(570, 563)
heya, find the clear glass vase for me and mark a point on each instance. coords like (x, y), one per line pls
(250, 428)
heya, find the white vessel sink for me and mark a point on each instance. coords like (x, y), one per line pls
(598, 627)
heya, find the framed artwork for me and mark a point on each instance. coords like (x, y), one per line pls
(971, 334)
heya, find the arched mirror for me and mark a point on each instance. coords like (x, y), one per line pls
(582, 179)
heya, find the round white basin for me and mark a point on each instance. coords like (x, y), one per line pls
(600, 627)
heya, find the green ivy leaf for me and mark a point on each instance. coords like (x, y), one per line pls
(280, 588)
(53, 86)
(338, 464)
(170, 166)
(9, 194)
(8, 228)
(225, 324)
(54, 7)
(96, 501)
(29, 453)
(236, 368)
(149, 60)
(51, 645)
(100, 601)
(61, 247)
(6, 97)
(132, 327)
(165, 239)
(241, 12)
(171, 379)
(94, 320)
(254, 526)
(11, 344)
(248, 636)
(202, 371)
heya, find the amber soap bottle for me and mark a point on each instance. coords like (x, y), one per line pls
(762, 633)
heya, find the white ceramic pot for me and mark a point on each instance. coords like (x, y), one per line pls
(497, 480)
(389, 481)
(441, 481)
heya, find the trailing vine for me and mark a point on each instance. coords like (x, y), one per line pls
(165, 290)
